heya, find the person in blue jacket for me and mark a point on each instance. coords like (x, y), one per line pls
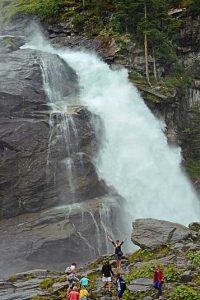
(121, 286)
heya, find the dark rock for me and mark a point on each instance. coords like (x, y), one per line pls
(152, 233)
(186, 276)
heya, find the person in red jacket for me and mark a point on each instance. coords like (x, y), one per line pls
(74, 294)
(158, 279)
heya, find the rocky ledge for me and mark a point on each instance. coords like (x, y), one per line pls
(179, 258)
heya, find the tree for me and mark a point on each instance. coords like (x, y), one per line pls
(151, 24)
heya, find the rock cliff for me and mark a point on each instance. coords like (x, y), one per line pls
(51, 196)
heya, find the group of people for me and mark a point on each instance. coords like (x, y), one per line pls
(81, 292)
(73, 292)
(107, 274)
(78, 287)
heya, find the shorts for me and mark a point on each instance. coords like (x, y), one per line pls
(120, 294)
(106, 279)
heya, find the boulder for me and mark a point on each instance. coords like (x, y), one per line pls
(152, 233)
(140, 285)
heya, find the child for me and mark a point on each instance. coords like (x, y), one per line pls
(121, 286)
(85, 281)
(83, 293)
(74, 294)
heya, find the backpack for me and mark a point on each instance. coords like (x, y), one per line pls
(68, 271)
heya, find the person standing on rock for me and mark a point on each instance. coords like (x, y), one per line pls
(158, 280)
(107, 273)
(118, 252)
(71, 272)
(121, 286)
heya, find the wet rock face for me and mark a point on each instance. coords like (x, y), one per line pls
(24, 132)
(55, 237)
(34, 155)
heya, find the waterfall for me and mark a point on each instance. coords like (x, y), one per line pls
(135, 157)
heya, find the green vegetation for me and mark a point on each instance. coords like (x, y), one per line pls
(171, 273)
(146, 255)
(141, 255)
(46, 283)
(47, 10)
(184, 292)
(194, 256)
(12, 278)
(28, 277)
(145, 271)
(62, 294)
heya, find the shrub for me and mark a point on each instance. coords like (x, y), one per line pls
(171, 273)
(194, 256)
(145, 271)
(141, 255)
(184, 292)
(78, 22)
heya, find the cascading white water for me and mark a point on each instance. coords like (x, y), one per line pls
(62, 126)
(135, 157)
